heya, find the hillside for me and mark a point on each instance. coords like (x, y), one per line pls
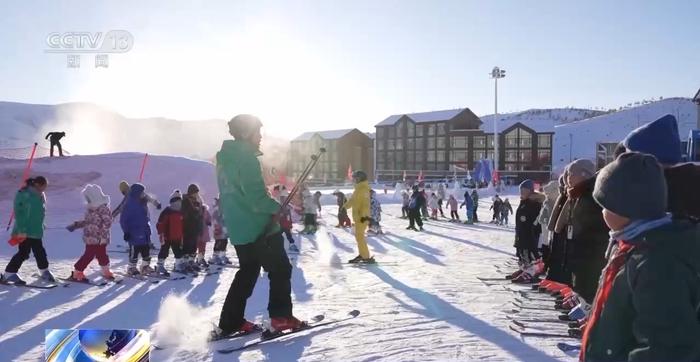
(615, 126)
(556, 115)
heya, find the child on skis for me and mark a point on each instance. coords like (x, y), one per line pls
(496, 207)
(506, 209)
(309, 209)
(170, 232)
(343, 219)
(29, 208)
(376, 212)
(220, 236)
(359, 202)
(404, 206)
(452, 203)
(317, 201)
(469, 204)
(193, 221)
(433, 205)
(527, 233)
(96, 227)
(137, 229)
(204, 237)
(475, 198)
(414, 209)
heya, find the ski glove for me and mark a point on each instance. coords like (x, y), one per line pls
(127, 236)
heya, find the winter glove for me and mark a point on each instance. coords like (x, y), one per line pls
(127, 236)
(365, 219)
(71, 227)
(158, 206)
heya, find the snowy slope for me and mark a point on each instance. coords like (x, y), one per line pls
(424, 304)
(556, 115)
(615, 126)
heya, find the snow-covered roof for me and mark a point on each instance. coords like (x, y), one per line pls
(537, 125)
(696, 99)
(326, 135)
(433, 116)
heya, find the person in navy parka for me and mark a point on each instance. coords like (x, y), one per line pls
(136, 226)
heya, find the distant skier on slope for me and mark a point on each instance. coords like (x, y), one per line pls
(506, 210)
(55, 139)
(376, 211)
(415, 205)
(343, 219)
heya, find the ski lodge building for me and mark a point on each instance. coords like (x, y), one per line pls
(345, 148)
(440, 143)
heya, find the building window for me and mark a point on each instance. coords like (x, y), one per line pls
(525, 156)
(431, 156)
(411, 129)
(441, 129)
(380, 145)
(441, 166)
(489, 155)
(392, 132)
(399, 144)
(420, 158)
(399, 164)
(381, 165)
(431, 130)
(478, 155)
(544, 157)
(419, 130)
(431, 143)
(410, 160)
(399, 129)
(458, 156)
(525, 139)
(380, 132)
(441, 143)
(511, 156)
(390, 145)
(441, 156)
(489, 141)
(479, 142)
(511, 167)
(459, 142)
(544, 141)
(512, 139)
(410, 143)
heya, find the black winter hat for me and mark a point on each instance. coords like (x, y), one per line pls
(633, 186)
(359, 175)
(192, 189)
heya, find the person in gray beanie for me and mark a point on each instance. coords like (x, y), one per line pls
(584, 230)
(646, 307)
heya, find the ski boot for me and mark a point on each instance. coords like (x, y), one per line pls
(132, 271)
(355, 260)
(192, 266)
(12, 278)
(246, 328)
(215, 259)
(201, 262)
(293, 248)
(411, 228)
(146, 269)
(47, 276)
(281, 324)
(106, 273)
(160, 270)
(421, 229)
(78, 276)
(225, 258)
(179, 266)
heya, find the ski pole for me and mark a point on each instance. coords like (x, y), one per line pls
(302, 177)
(25, 176)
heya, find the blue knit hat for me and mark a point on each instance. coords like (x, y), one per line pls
(659, 138)
(528, 184)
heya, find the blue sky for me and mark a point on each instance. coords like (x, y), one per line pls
(305, 65)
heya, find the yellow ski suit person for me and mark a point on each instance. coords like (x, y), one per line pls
(359, 203)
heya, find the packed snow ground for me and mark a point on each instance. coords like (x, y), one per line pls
(423, 303)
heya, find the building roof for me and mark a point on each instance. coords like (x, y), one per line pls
(433, 116)
(696, 99)
(326, 135)
(537, 125)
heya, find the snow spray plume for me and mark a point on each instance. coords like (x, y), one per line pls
(189, 333)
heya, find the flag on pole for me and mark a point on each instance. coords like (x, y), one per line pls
(350, 172)
(420, 176)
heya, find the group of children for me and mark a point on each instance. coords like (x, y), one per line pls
(501, 210)
(183, 227)
(415, 206)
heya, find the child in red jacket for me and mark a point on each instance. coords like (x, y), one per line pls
(170, 230)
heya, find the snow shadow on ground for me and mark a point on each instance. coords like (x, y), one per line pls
(437, 308)
(464, 241)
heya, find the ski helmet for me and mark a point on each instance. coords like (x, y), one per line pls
(243, 126)
(359, 176)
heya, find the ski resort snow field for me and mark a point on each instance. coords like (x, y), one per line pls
(423, 300)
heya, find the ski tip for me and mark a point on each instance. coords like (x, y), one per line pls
(354, 313)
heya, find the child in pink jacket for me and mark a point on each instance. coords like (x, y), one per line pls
(96, 232)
